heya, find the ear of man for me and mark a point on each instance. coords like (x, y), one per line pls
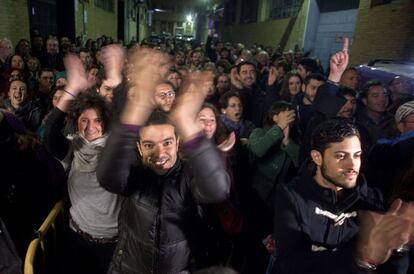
(316, 157)
(139, 149)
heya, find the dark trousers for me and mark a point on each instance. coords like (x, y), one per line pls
(83, 256)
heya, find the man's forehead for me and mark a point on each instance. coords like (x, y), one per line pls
(376, 89)
(156, 133)
(349, 144)
(247, 67)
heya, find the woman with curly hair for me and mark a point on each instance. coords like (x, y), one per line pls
(94, 211)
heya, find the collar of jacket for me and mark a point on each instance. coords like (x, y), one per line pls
(172, 172)
(309, 188)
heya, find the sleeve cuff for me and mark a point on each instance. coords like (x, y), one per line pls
(194, 143)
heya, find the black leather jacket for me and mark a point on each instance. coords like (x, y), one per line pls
(158, 220)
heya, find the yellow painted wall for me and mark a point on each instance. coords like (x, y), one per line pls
(12, 26)
(385, 32)
(99, 21)
(268, 32)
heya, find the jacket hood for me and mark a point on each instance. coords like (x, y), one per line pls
(328, 100)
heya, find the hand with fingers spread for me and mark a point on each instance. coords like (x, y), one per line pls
(381, 234)
(339, 62)
(113, 60)
(78, 81)
(76, 74)
(273, 75)
(145, 69)
(187, 105)
(284, 118)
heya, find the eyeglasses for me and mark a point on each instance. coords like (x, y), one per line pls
(168, 94)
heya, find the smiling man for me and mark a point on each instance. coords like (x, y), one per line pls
(374, 116)
(158, 220)
(317, 215)
(252, 97)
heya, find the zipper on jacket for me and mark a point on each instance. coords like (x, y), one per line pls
(158, 228)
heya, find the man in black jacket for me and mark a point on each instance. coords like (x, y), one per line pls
(316, 225)
(158, 220)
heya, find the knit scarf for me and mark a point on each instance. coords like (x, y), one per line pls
(237, 127)
(86, 153)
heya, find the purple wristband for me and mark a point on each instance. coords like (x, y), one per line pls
(70, 93)
(131, 128)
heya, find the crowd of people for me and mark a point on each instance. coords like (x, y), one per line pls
(179, 157)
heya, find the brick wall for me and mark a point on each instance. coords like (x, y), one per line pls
(385, 32)
(99, 22)
(14, 20)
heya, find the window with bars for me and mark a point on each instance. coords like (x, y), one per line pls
(230, 12)
(280, 9)
(107, 5)
(249, 9)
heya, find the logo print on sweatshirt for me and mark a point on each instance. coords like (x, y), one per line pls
(338, 219)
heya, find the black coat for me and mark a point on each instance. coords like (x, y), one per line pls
(158, 220)
(307, 240)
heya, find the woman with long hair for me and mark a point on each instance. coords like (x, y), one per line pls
(291, 87)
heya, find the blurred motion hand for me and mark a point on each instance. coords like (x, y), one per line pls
(187, 105)
(381, 234)
(77, 77)
(146, 68)
(113, 60)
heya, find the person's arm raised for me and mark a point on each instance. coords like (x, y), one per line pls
(145, 69)
(77, 81)
(113, 60)
(338, 63)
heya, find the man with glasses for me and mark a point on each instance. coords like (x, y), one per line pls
(164, 96)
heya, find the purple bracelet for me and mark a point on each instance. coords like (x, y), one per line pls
(70, 93)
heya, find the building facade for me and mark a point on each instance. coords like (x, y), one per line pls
(380, 28)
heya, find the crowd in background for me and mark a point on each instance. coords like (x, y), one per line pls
(261, 109)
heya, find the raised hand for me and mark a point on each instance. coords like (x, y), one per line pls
(113, 60)
(77, 77)
(187, 105)
(339, 62)
(145, 69)
(273, 74)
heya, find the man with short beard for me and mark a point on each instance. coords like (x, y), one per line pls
(52, 58)
(253, 98)
(374, 115)
(324, 219)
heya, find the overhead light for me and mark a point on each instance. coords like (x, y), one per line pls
(189, 18)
